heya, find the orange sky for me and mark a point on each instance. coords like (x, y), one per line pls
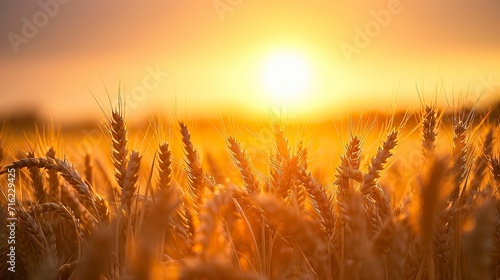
(213, 52)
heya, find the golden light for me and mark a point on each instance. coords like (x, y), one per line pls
(286, 77)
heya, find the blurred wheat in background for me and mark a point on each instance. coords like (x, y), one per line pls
(145, 214)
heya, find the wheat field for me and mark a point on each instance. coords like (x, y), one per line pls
(169, 211)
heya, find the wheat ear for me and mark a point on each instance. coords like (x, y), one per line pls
(209, 215)
(347, 170)
(482, 162)
(131, 176)
(54, 188)
(495, 169)
(289, 223)
(244, 165)
(37, 181)
(369, 188)
(119, 151)
(429, 132)
(377, 164)
(194, 170)
(322, 201)
(67, 171)
(165, 168)
(460, 154)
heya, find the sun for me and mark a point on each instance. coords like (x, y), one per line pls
(286, 76)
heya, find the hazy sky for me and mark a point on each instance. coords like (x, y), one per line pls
(207, 56)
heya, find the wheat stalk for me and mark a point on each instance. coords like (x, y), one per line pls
(71, 201)
(54, 189)
(495, 169)
(119, 151)
(36, 178)
(196, 179)
(459, 156)
(346, 171)
(52, 207)
(209, 215)
(349, 167)
(377, 164)
(244, 165)
(376, 201)
(130, 180)
(165, 168)
(292, 226)
(482, 162)
(429, 132)
(478, 243)
(460, 172)
(322, 201)
(35, 234)
(150, 236)
(284, 177)
(399, 250)
(282, 148)
(88, 168)
(67, 171)
(212, 269)
(288, 223)
(356, 237)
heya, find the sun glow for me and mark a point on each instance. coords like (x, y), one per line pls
(286, 77)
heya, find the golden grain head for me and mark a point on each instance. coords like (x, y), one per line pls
(157, 212)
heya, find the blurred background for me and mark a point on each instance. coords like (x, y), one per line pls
(202, 59)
